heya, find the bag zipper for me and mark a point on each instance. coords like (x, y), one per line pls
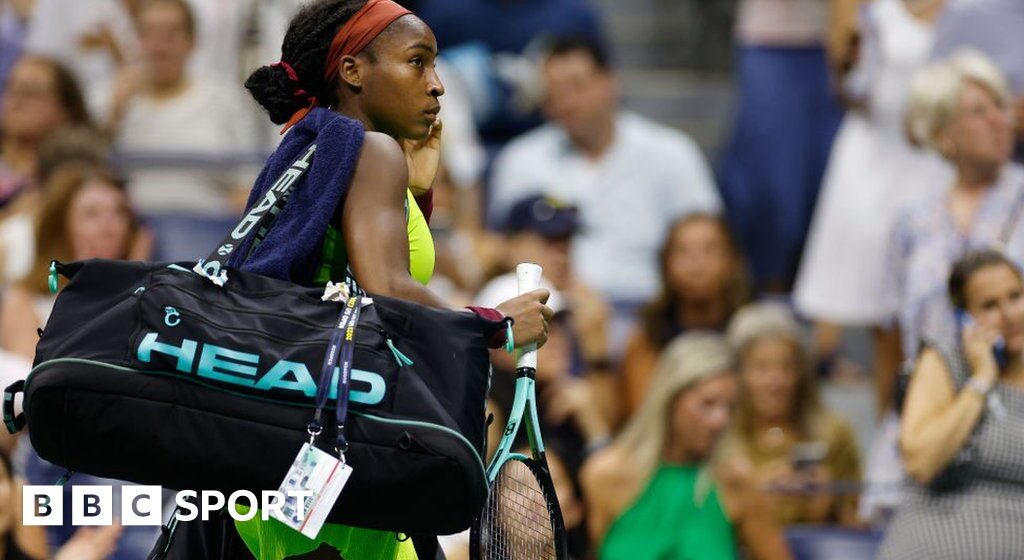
(178, 288)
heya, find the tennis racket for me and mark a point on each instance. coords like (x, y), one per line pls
(521, 519)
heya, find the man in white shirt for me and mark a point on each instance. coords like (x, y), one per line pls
(189, 143)
(629, 177)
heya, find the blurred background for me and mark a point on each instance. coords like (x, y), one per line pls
(797, 176)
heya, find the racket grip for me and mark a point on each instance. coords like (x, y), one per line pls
(528, 276)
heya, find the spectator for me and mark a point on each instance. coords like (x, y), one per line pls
(67, 146)
(794, 443)
(772, 166)
(184, 140)
(84, 214)
(21, 542)
(491, 44)
(872, 170)
(962, 425)
(703, 282)
(93, 38)
(629, 177)
(655, 493)
(959, 108)
(543, 230)
(993, 26)
(40, 97)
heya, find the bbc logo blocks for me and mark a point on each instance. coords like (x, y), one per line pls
(93, 505)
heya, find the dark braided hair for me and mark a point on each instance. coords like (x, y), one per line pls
(305, 48)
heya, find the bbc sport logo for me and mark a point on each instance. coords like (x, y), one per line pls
(93, 505)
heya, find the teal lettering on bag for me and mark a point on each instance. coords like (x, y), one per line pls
(213, 365)
(186, 353)
(242, 368)
(276, 378)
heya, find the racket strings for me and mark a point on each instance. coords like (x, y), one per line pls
(516, 522)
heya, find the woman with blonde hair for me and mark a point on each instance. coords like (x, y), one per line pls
(654, 493)
(794, 443)
(960, 108)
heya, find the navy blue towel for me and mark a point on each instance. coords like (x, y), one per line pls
(291, 250)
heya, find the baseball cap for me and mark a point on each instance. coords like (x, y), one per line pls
(543, 215)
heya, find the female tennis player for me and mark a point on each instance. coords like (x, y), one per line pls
(356, 78)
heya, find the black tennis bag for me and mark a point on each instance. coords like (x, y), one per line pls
(151, 373)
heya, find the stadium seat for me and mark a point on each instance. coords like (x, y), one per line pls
(180, 237)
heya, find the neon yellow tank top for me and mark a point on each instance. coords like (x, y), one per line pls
(273, 540)
(334, 257)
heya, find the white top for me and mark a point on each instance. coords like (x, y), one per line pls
(872, 173)
(220, 32)
(649, 177)
(18, 238)
(186, 154)
(782, 22)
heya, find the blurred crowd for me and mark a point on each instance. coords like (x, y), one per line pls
(868, 182)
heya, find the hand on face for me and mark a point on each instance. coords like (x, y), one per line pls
(978, 340)
(422, 158)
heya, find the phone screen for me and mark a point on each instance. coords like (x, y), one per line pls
(808, 454)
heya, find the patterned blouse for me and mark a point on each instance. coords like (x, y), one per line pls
(925, 244)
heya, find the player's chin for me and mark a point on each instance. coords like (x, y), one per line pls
(417, 129)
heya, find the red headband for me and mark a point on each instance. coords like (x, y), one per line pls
(358, 32)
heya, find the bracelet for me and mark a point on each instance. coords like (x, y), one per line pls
(981, 387)
(510, 341)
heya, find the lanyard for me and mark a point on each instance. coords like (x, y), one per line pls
(341, 348)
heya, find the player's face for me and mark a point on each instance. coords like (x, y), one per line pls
(702, 414)
(995, 298)
(401, 85)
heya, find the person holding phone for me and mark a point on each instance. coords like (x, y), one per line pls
(962, 433)
(802, 454)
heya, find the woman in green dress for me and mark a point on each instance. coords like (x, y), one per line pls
(656, 493)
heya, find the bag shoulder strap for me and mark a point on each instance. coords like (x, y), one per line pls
(261, 217)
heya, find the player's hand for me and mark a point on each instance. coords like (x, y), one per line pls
(530, 317)
(422, 158)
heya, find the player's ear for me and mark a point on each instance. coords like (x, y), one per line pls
(351, 70)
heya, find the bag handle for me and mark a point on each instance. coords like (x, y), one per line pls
(14, 423)
(260, 217)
